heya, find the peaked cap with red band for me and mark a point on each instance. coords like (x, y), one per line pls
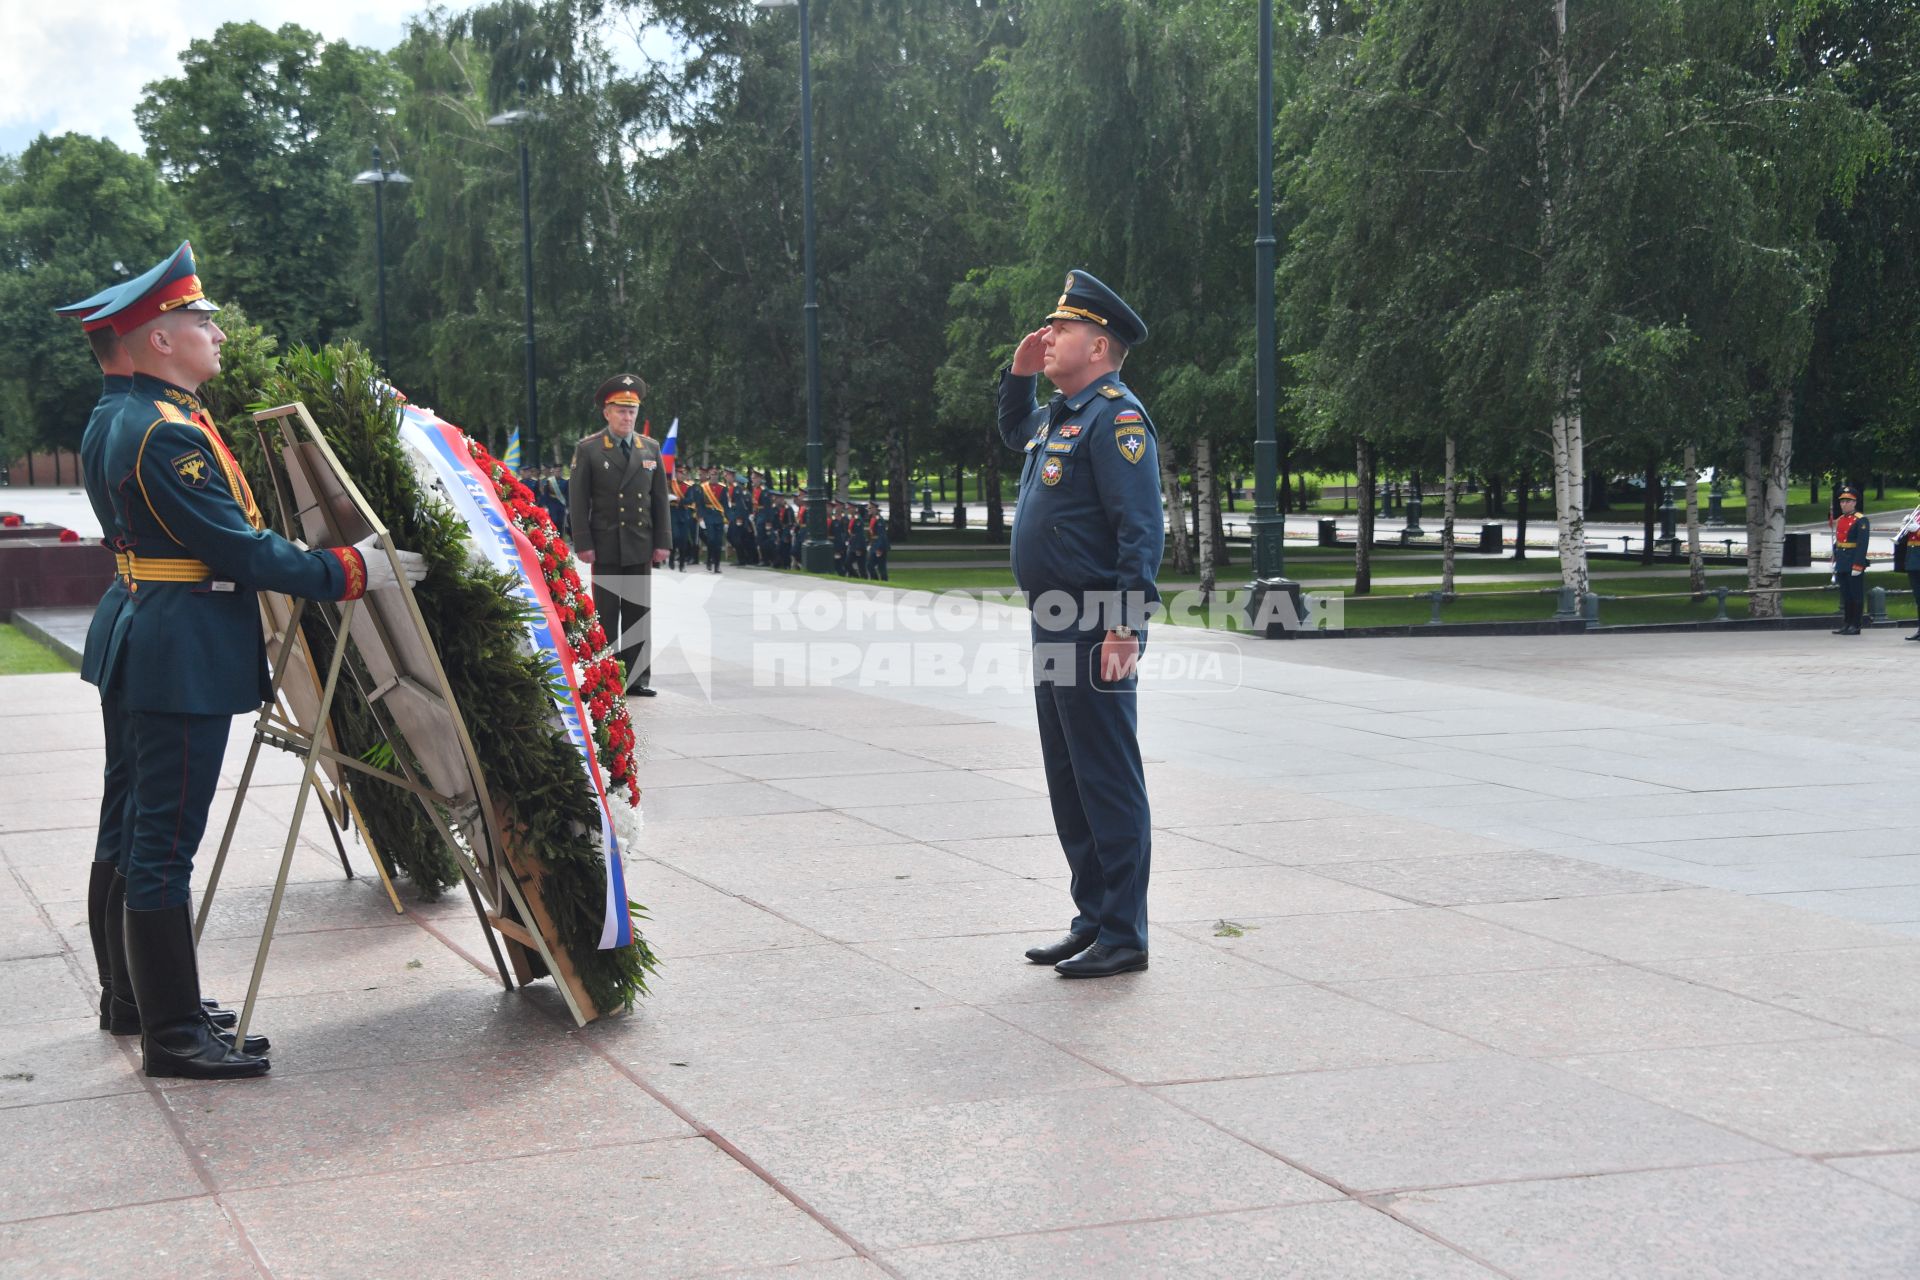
(174, 285)
(81, 310)
(622, 388)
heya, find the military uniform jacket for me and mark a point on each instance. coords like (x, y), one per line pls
(1089, 520)
(1850, 535)
(618, 500)
(881, 542)
(93, 441)
(182, 509)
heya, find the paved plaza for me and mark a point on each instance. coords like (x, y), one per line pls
(1585, 956)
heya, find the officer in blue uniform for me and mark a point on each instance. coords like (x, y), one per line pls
(856, 563)
(1088, 532)
(186, 653)
(1850, 534)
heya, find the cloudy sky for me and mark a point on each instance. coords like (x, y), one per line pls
(79, 65)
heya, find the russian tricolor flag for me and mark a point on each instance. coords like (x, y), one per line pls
(670, 444)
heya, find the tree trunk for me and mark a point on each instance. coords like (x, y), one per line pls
(1451, 509)
(1522, 492)
(1496, 495)
(1176, 513)
(1205, 499)
(1648, 514)
(1363, 544)
(1773, 527)
(1570, 485)
(1756, 487)
(899, 487)
(959, 493)
(1696, 564)
(1222, 555)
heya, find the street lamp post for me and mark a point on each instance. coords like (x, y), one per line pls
(816, 553)
(517, 120)
(378, 177)
(1269, 526)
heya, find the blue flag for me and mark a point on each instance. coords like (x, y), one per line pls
(513, 450)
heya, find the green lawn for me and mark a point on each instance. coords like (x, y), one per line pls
(22, 656)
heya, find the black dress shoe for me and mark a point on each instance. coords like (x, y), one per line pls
(1849, 631)
(1065, 949)
(642, 691)
(1914, 636)
(1102, 961)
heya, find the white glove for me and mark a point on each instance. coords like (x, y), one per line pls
(380, 569)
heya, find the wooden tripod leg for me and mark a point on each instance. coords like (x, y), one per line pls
(373, 851)
(486, 928)
(333, 829)
(293, 829)
(226, 840)
(246, 774)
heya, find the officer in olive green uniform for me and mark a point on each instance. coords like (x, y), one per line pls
(618, 504)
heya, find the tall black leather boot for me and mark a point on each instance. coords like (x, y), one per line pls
(118, 1011)
(176, 1037)
(99, 885)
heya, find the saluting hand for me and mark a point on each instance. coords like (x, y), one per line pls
(1030, 357)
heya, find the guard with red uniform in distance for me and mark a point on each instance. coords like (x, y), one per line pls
(186, 654)
(1850, 534)
(1906, 549)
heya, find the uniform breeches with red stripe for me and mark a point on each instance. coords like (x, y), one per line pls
(176, 769)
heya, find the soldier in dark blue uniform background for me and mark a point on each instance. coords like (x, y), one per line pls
(1088, 532)
(878, 547)
(837, 530)
(856, 543)
(186, 654)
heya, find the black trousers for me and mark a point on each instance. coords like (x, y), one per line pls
(623, 598)
(1853, 596)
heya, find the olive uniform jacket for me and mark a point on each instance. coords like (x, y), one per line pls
(617, 500)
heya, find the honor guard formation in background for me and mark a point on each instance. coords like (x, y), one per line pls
(176, 650)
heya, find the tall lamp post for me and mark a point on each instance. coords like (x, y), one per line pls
(816, 553)
(378, 177)
(516, 120)
(1269, 526)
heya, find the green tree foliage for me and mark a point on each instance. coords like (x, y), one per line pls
(76, 215)
(259, 134)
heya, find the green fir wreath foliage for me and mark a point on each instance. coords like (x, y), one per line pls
(532, 771)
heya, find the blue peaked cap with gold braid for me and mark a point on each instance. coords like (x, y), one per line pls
(173, 284)
(1085, 298)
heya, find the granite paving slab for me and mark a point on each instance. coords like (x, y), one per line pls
(1773, 1220)
(1468, 1120)
(1493, 877)
(90, 1153)
(1899, 1174)
(1348, 1240)
(1680, 924)
(190, 1239)
(1844, 1096)
(959, 1171)
(1871, 989)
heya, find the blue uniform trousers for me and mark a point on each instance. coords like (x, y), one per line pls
(1089, 742)
(116, 797)
(176, 768)
(1853, 596)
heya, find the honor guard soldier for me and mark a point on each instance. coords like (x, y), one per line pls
(837, 530)
(1088, 532)
(857, 543)
(617, 501)
(713, 520)
(682, 520)
(187, 653)
(877, 547)
(105, 886)
(1850, 534)
(1906, 546)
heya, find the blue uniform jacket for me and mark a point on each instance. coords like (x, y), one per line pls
(93, 443)
(196, 647)
(1850, 544)
(1089, 520)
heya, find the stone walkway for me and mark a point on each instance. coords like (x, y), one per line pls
(1557, 957)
